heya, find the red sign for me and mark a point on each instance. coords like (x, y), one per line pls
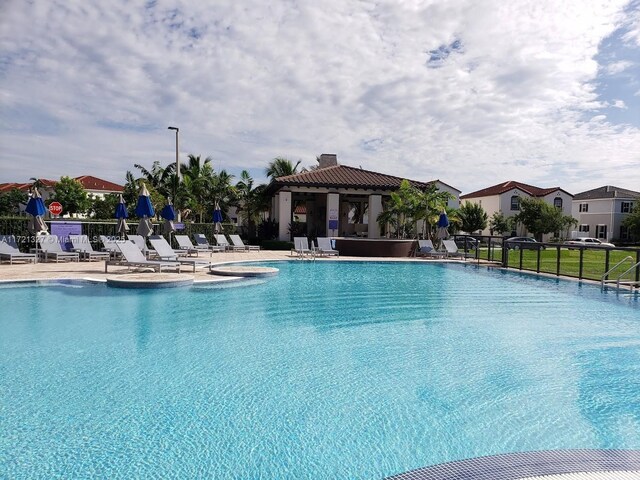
(55, 208)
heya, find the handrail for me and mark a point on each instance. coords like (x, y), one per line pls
(606, 274)
(624, 273)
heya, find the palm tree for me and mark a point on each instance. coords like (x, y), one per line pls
(197, 179)
(281, 167)
(159, 178)
(250, 201)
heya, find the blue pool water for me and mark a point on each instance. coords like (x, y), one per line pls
(329, 370)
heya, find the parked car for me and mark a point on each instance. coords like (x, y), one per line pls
(588, 241)
(524, 243)
(468, 243)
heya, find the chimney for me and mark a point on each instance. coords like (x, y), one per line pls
(328, 160)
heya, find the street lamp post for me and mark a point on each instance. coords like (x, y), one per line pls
(175, 188)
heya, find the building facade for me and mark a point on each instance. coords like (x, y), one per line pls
(601, 211)
(505, 198)
(338, 200)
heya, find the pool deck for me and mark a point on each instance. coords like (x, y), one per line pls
(95, 270)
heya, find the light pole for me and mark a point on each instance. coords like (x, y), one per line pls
(175, 188)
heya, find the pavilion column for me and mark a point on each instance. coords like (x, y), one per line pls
(284, 215)
(333, 214)
(375, 209)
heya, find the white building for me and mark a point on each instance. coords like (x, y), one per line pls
(505, 198)
(601, 211)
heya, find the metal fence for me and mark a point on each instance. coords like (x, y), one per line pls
(577, 261)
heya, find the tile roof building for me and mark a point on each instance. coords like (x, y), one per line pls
(339, 200)
(505, 198)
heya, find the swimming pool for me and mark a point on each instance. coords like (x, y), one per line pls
(329, 370)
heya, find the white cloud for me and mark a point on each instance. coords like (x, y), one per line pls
(618, 67)
(619, 104)
(91, 89)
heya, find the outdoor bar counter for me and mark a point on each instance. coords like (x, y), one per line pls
(375, 247)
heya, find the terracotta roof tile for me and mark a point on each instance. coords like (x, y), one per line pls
(95, 183)
(510, 185)
(343, 176)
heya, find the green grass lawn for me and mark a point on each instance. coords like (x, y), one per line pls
(593, 266)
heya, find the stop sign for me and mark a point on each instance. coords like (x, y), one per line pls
(55, 208)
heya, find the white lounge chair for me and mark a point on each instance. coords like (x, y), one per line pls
(452, 250)
(185, 244)
(141, 242)
(238, 244)
(50, 248)
(165, 252)
(203, 243)
(133, 257)
(110, 245)
(9, 251)
(221, 241)
(82, 245)
(426, 249)
(325, 248)
(301, 247)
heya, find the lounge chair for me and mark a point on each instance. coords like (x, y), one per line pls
(185, 245)
(50, 248)
(452, 250)
(301, 247)
(141, 242)
(165, 252)
(221, 241)
(203, 243)
(9, 251)
(238, 244)
(82, 245)
(324, 247)
(110, 244)
(133, 257)
(426, 249)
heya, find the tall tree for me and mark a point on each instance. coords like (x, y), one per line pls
(198, 178)
(539, 217)
(281, 167)
(499, 223)
(72, 195)
(250, 201)
(104, 207)
(10, 201)
(473, 217)
(160, 178)
(632, 222)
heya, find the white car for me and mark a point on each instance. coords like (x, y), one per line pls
(588, 242)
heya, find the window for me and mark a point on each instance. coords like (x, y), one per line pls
(583, 228)
(583, 207)
(557, 202)
(515, 202)
(624, 233)
(601, 231)
(626, 207)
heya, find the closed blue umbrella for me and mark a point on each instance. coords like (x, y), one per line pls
(36, 208)
(169, 215)
(145, 211)
(121, 215)
(217, 218)
(443, 225)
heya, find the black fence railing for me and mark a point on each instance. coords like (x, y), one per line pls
(577, 261)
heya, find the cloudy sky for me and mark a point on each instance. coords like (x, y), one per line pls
(470, 92)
